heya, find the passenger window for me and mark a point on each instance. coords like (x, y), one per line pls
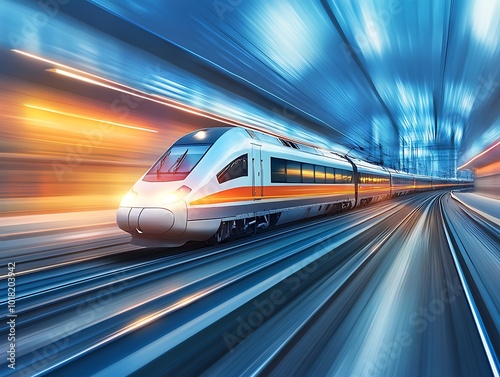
(293, 172)
(278, 173)
(235, 169)
(319, 174)
(330, 175)
(307, 173)
(338, 176)
(346, 176)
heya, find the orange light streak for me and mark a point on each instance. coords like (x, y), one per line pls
(80, 77)
(141, 94)
(129, 90)
(87, 118)
(149, 96)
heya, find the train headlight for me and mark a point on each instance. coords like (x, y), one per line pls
(177, 195)
(128, 199)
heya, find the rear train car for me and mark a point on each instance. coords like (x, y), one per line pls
(401, 183)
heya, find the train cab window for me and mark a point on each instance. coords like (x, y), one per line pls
(293, 174)
(330, 175)
(235, 169)
(176, 163)
(319, 174)
(307, 173)
(278, 172)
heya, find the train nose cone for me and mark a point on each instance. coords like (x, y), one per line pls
(155, 220)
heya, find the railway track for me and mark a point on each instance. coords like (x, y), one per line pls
(337, 327)
(246, 307)
(476, 255)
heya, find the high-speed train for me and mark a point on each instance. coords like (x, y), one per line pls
(219, 182)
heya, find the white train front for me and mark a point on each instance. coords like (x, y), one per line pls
(218, 182)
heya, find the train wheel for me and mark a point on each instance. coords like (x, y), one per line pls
(214, 240)
(223, 233)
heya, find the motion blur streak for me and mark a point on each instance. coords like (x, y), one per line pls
(87, 118)
(314, 298)
(479, 155)
(63, 152)
(103, 82)
(92, 92)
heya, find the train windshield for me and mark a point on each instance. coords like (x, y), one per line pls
(176, 163)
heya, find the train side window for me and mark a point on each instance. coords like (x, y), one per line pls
(307, 173)
(338, 176)
(330, 175)
(235, 169)
(319, 174)
(347, 176)
(293, 172)
(278, 173)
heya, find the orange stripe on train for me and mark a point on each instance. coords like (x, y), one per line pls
(239, 194)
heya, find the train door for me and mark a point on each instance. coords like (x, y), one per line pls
(257, 177)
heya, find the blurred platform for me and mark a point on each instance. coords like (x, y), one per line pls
(19, 226)
(487, 207)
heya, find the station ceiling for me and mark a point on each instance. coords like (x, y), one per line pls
(413, 84)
